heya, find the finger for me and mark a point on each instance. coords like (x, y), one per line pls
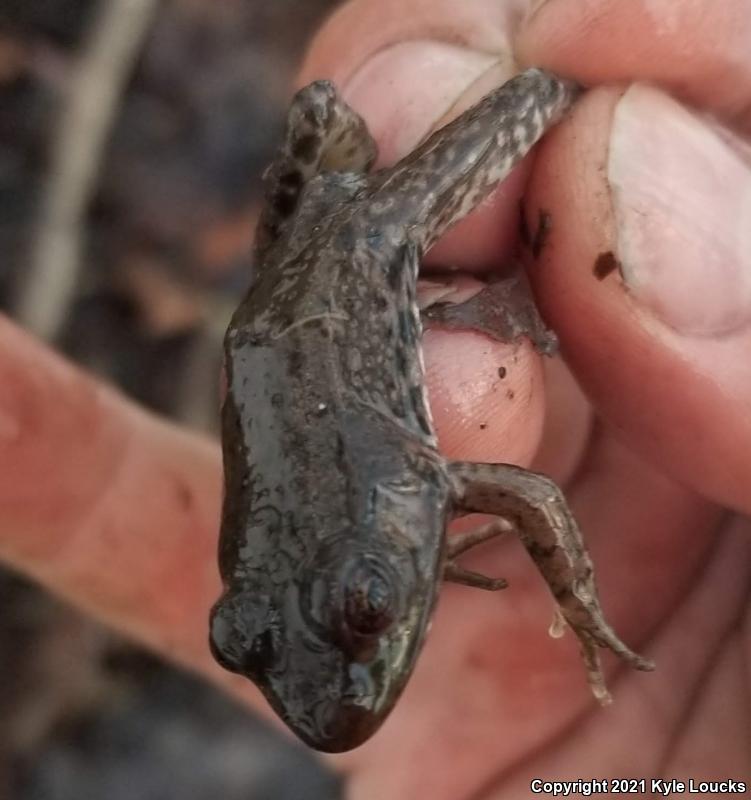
(685, 711)
(646, 277)
(107, 505)
(487, 399)
(699, 49)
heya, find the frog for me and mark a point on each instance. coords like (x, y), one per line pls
(333, 543)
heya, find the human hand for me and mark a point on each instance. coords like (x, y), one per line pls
(629, 182)
(118, 511)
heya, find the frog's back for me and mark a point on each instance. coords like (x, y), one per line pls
(325, 378)
(336, 304)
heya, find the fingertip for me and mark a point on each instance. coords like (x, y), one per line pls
(361, 28)
(486, 397)
(612, 42)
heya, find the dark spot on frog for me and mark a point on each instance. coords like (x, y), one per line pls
(339, 453)
(406, 336)
(397, 407)
(483, 425)
(290, 180)
(544, 224)
(401, 361)
(381, 302)
(286, 203)
(415, 396)
(510, 394)
(277, 400)
(295, 362)
(605, 263)
(306, 148)
(501, 372)
(541, 551)
(394, 274)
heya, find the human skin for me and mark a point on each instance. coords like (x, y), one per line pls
(117, 510)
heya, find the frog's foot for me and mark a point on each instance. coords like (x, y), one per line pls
(461, 542)
(593, 632)
(323, 134)
(504, 310)
(537, 510)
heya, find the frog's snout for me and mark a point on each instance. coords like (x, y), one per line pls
(348, 725)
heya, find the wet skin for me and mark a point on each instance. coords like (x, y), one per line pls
(333, 542)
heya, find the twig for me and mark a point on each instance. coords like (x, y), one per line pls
(114, 44)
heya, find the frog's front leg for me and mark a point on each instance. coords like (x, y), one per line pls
(322, 134)
(504, 310)
(461, 542)
(537, 510)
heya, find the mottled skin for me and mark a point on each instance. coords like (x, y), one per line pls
(333, 541)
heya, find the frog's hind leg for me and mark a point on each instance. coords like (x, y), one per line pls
(322, 134)
(537, 510)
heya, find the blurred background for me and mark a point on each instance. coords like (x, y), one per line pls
(133, 134)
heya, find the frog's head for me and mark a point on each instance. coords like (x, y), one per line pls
(333, 643)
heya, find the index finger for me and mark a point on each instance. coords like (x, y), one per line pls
(107, 505)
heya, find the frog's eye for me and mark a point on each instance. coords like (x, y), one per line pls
(236, 639)
(369, 599)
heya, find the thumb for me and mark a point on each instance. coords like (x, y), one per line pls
(647, 279)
